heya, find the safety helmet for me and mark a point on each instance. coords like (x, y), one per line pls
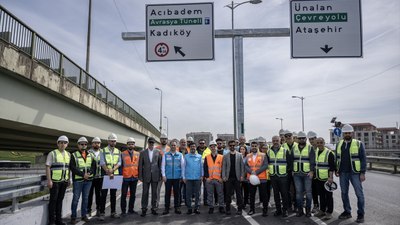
(311, 134)
(82, 139)
(254, 180)
(347, 128)
(301, 134)
(96, 139)
(212, 143)
(287, 132)
(112, 137)
(190, 139)
(131, 139)
(295, 134)
(63, 138)
(163, 136)
(330, 186)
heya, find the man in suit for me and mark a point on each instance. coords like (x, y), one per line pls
(232, 175)
(150, 174)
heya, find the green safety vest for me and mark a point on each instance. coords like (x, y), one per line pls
(322, 165)
(97, 159)
(113, 159)
(354, 155)
(278, 164)
(82, 165)
(286, 146)
(60, 166)
(301, 159)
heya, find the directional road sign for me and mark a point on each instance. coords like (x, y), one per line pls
(177, 32)
(325, 29)
(337, 131)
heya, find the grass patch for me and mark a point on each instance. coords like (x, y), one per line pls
(19, 156)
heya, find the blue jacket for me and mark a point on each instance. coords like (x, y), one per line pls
(193, 167)
(173, 169)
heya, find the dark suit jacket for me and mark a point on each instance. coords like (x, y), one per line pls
(239, 166)
(150, 172)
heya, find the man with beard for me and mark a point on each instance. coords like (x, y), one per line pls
(164, 148)
(192, 177)
(97, 181)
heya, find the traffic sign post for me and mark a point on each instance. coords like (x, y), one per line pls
(325, 28)
(179, 32)
(337, 131)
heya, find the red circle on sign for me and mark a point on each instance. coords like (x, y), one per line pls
(161, 49)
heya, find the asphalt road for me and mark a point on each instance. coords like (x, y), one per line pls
(382, 207)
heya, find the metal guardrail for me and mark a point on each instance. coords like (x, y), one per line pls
(18, 187)
(21, 36)
(14, 164)
(384, 160)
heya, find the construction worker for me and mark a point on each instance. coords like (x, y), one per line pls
(171, 170)
(164, 148)
(245, 182)
(295, 137)
(82, 167)
(282, 136)
(201, 149)
(279, 166)
(351, 166)
(242, 142)
(110, 161)
(97, 181)
(193, 174)
(257, 164)
(57, 173)
(312, 137)
(290, 145)
(190, 140)
(232, 175)
(220, 146)
(130, 173)
(303, 171)
(184, 149)
(324, 169)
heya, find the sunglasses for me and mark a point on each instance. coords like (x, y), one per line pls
(63, 142)
(83, 144)
(288, 135)
(231, 145)
(302, 138)
(320, 142)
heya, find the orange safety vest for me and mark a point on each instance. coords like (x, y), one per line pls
(130, 168)
(167, 149)
(214, 168)
(255, 165)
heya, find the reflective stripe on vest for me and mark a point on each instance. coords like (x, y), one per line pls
(301, 160)
(111, 160)
(286, 146)
(214, 168)
(98, 167)
(82, 165)
(322, 165)
(256, 165)
(130, 168)
(278, 164)
(60, 166)
(173, 168)
(354, 155)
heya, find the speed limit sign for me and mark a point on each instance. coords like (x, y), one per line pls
(161, 49)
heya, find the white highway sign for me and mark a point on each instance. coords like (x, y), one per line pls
(325, 29)
(178, 32)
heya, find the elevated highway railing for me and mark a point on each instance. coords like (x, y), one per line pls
(395, 162)
(19, 35)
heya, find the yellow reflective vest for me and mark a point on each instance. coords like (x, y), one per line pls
(277, 162)
(301, 160)
(83, 165)
(60, 166)
(322, 164)
(354, 155)
(113, 159)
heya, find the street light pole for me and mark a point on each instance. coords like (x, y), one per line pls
(167, 124)
(160, 108)
(302, 109)
(281, 119)
(238, 57)
(88, 36)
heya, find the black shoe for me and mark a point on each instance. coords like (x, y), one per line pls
(300, 212)
(277, 213)
(60, 223)
(154, 212)
(132, 211)
(360, 219)
(228, 212)
(86, 219)
(239, 212)
(143, 213)
(166, 211)
(178, 211)
(196, 211)
(73, 221)
(189, 212)
(251, 212)
(265, 212)
(345, 215)
(285, 214)
(210, 210)
(221, 210)
(308, 212)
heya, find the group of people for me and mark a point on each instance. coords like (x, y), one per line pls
(295, 169)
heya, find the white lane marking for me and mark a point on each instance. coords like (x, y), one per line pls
(317, 220)
(246, 216)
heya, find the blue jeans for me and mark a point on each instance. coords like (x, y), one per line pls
(192, 188)
(354, 178)
(81, 187)
(303, 183)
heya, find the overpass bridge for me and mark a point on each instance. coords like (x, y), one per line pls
(44, 94)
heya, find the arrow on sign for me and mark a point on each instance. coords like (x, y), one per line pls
(326, 49)
(178, 50)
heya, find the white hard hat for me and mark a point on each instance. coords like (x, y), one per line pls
(212, 143)
(163, 136)
(301, 134)
(82, 139)
(295, 134)
(190, 139)
(96, 139)
(347, 128)
(63, 138)
(131, 139)
(330, 187)
(281, 132)
(254, 180)
(311, 134)
(287, 132)
(112, 137)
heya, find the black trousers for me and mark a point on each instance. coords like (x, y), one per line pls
(124, 191)
(291, 190)
(314, 189)
(233, 185)
(245, 188)
(325, 198)
(280, 186)
(172, 184)
(145, 195)
(57, 193)
(95, 189)
(262, 192)
(113, 199)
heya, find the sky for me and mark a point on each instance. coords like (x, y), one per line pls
(197, 95)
